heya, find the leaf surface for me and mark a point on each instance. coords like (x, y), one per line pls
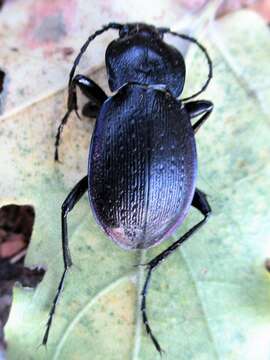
(209, 300)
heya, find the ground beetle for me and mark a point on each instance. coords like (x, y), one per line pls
(142, 160)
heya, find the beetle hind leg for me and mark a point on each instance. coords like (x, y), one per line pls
(96, 98)
(71, 200)
(200, 203)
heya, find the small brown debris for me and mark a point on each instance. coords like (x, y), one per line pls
(267, 264)
(67, 51)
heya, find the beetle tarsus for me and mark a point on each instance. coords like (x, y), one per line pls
(52, 311)
(58, 135)
(144, 314)
(77, 114)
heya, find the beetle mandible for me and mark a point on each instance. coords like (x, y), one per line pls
(142, 160)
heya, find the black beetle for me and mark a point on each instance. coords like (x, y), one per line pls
(142, 160)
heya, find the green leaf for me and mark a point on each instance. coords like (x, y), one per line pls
(210, 299)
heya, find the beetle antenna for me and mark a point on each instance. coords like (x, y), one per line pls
(115, 26)
(203, 49)
(72, 99)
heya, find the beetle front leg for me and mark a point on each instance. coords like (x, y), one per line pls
(196, 108)
(199, 202)
(96, 98)
(71, 200)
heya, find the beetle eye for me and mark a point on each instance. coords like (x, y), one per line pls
(124, 31)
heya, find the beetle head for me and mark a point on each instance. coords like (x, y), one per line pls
(140, 55)
(132, 29)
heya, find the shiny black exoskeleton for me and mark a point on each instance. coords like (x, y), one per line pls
(142, 166)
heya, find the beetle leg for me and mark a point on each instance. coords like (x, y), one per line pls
(71, 200)
(199, 202)
(196, 108)
(92, 91)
